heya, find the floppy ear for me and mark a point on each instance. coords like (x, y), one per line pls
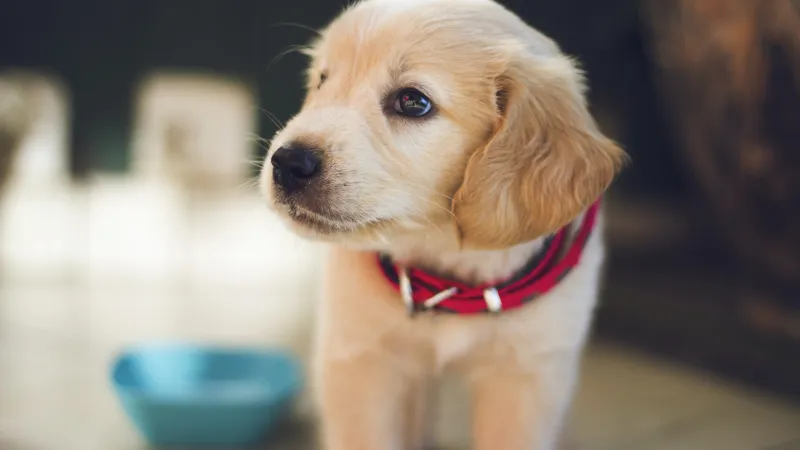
(545, 163)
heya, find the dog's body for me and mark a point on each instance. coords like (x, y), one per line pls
(521, 365)
(452, 137)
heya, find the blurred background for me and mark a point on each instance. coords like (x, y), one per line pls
(129, 139)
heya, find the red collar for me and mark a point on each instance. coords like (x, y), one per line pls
(422, 291)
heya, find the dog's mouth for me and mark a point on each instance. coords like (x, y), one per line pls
(316, 222)
(326, 224)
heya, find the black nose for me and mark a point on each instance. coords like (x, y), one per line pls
(293, 168)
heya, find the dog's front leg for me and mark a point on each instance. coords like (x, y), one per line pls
(361, 403)
(517, 408)
(418, 434)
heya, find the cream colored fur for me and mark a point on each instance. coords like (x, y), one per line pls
(509, 155)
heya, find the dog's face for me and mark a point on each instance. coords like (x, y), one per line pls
(437, 116)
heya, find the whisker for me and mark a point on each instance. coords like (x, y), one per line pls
(432, 191)
(259, 139)
(273, 118)
(249, 183)
(296, 25)
(447, 210)
(359, 218)
(289, 50)
(263, 147)
(419, 215)
(263, 144)
(431, 223)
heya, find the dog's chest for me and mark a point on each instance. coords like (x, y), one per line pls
(453, 338)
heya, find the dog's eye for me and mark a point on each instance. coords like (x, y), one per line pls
(322, 77)
(412, 103)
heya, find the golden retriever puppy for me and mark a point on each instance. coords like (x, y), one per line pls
(445, 150)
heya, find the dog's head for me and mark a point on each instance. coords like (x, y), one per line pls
(431, 115)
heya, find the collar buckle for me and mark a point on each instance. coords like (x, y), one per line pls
(493, 302)
(407, 293)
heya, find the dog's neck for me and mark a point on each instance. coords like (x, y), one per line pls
(438, 252)
(443, 257)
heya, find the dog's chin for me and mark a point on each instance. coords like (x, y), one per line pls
(315, 226)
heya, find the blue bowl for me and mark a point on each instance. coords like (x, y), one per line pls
(181, 395)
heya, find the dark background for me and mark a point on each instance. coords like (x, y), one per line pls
(102, 50)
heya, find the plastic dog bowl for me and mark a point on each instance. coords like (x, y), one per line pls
(179, 395)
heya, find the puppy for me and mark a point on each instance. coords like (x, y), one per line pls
(445, 149)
